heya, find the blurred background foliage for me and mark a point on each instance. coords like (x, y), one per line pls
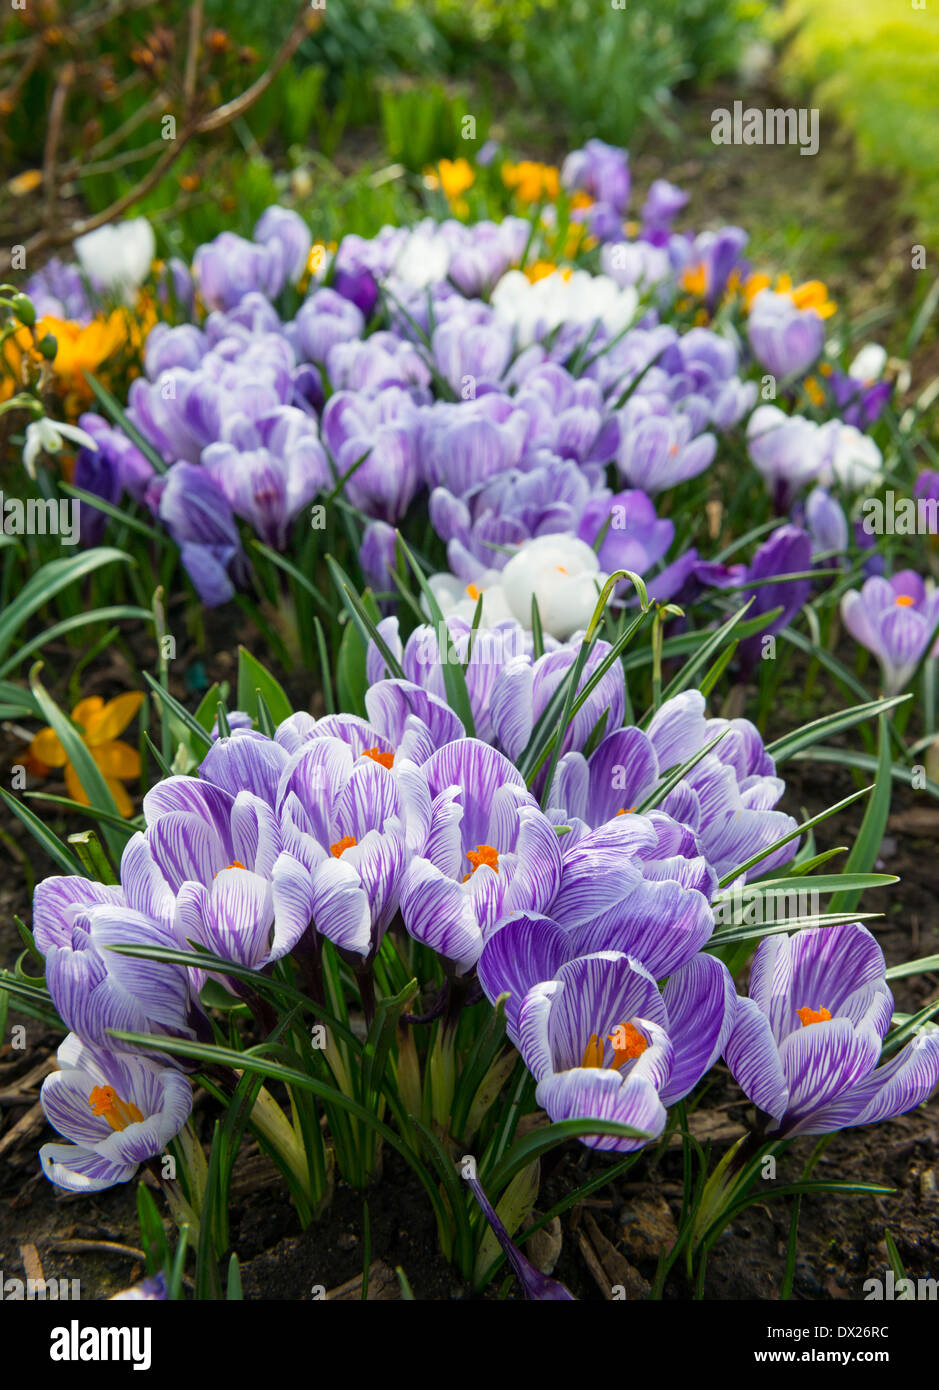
(380, 90)
(875, 63)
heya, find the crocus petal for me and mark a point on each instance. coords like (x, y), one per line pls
(524, 950)
(598, 1094)
(440, 913)
(753, 1058)
(702, 1008)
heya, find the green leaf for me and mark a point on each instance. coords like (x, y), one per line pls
(253, 680)
(924, 966)
(351, 679)
(92, 856)
(113, 409)
(866, 847)
(79, 755)
(48, 581)
(52, 634)
(793, 834)
(542, 1141)
(170, 703)
(789, 744)
(363, 619)
(42, 834)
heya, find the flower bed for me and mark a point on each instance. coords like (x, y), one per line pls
(571, 475)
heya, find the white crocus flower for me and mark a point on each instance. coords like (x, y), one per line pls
(857, 462)
(563, 297)
(458, 599)
(48, 437)
(869, 364)
(424, 259)
(563, 574)
(117, 258)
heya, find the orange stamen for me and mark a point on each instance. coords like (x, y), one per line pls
(628, 1043)
(105, 1101)
(474, 593)
(808, 1016)
(593, 1052)
(235, 864)
(904, 601)
(340, 847)
(482, 854)
(386, 759)
(625, 811)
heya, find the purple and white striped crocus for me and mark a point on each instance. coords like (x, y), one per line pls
(76, 923)
(727, 799)
(806, 1043)
(212, 860)
(117, 1108)
(487, 850)
(894, 618)
(600, 1038)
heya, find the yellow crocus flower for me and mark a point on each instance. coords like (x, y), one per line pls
(100, 723)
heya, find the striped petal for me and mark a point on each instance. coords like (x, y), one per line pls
(440, 913)
(597, 1094)
(524, 950)
(702, 1008)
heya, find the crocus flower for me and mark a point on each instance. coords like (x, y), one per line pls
(227, 268)
(787, 550)
(785, 339)
(422, 663)
(659, 450)
(856, 463)
(603, 1043)
(57, 290)
(574, 298)
(826, 522)
(535, 1285)
(198, 516)
(459, 600)
(789, 450)
(487, 851)
(806, 1043)
(635, 539)
(562, 574)
(376, 435)
(894, 618)
(727, 799)
(117, 258)
(663, 203)
(99, 724)
(545, 496)
(324, 319)
(710, 261)
(117, 1109)
(522, 688)
(76, 925)
(269, 475)
(286, 229)
(601, 171)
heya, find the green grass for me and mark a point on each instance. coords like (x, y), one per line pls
(875, 64)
